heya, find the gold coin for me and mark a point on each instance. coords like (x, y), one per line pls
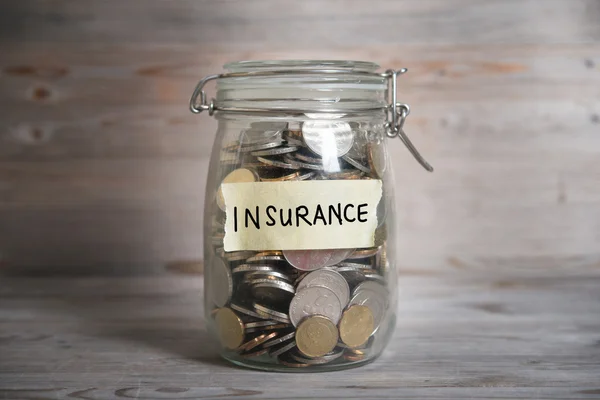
(230, 328)
(316, 336)
(380, 235)
(356, 325)
(235, 176)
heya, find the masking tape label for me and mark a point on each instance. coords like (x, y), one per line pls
(301, 215)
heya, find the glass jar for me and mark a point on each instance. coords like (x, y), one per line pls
(299, 222)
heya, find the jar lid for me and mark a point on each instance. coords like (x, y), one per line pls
(306, 87)
(309, 85)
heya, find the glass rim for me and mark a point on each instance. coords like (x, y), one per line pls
(252, 65)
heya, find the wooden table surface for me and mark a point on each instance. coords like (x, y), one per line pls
(461, 334)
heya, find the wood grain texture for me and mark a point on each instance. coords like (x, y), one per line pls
(487, 335)
(101, 163)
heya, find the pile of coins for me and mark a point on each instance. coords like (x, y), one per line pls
(299, 308)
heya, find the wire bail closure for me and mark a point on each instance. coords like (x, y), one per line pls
(396, 112)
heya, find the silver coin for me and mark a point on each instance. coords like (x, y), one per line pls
(354, 265)
(266, 312)
(262, 131)
(282, 348)
(260, 324)
(315, 300)
(220, 282)
(261, 146)
(359, 147)
(275, 152)
(309, 260)
(277, 163)
(377, 278)
(356, 164)
(328, 137)
(373, 295)
(271, 290)
(327, 358)
(378, 159)
(269, 275)
(308, 159)
(246, 311)
(252, 268)
(276, 327)
(354, 276)
(329, 279)
(301, 164)
(279, 340)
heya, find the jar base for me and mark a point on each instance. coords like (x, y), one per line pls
(267, 364)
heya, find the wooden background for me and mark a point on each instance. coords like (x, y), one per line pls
(102, 166)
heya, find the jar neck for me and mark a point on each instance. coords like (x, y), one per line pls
(303, 86)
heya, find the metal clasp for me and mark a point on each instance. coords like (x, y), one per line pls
(397, 113)
(196, 107)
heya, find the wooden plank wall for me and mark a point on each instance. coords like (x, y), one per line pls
(102, 165)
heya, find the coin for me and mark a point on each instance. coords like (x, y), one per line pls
(250, 277)
(276, 327)
(290, 362)
(277, 163)
(302, 156)
(309, 260)
(356, 325)
(236, 176)
(306, 175)
(246, 311)
(282, 348)
(354, 357)
(353, 265)
(260, 324)
(344, 174)
(252, 343)
(266, 312)
(316, 336)
(364, 253)
(327, 358)
(330, 279)
(373, 295)
(289, 177)
(275, 152)
(252, 268)
(280, 339)
(356, 164)
(265, 258)
(260, 146)
(220, 282)
(234, 255)
(315, 300)
(271, 290)
(327, 137)
(375, 277)
(301, 164)
(256, 353)
(230, 328)
(378, 159)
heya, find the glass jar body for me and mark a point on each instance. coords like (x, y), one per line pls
(305, 309)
